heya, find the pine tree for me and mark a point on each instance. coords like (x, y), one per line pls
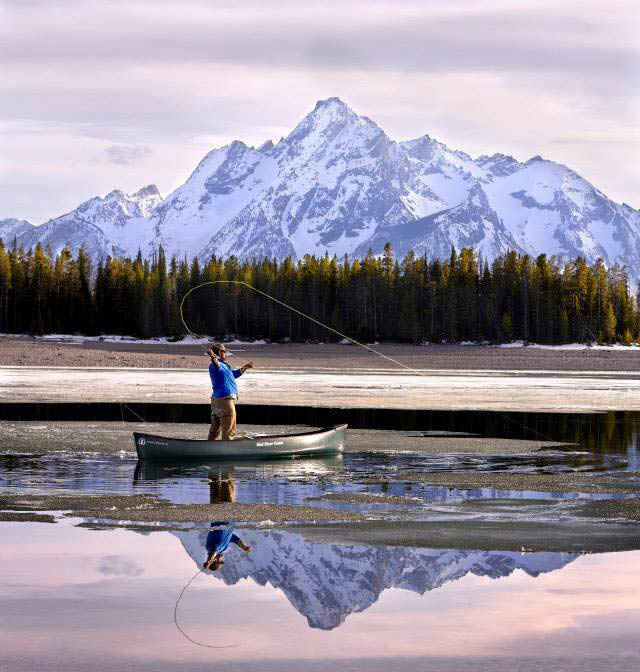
(506, 327)
(5, 286)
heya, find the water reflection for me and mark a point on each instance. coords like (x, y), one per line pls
(296, 482)
(328, 582)
(79, 599)
(217, 543)
(221, 489)
(146, 472)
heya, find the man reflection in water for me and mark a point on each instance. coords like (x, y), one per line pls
(219, 539)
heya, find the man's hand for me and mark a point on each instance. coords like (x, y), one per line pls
(248, 365)
(214, 357)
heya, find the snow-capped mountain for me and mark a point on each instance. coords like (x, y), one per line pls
(327, 582)
(337, 183)
(10, 229)
(110, 225)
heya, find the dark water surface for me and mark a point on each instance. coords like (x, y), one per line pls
(598, 432)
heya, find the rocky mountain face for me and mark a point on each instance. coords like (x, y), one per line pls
(327, 582)
(338, 184)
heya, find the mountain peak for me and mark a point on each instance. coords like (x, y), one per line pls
(324, 124)
(329, 111)
(266, 146)
(145, 192)
(332, 101)
(11, 228)
(116, 193)
(498, 156)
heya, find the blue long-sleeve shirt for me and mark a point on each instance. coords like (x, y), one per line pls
(219, 540)
(223, 380)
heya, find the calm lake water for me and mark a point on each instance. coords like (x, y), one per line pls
(75, 598)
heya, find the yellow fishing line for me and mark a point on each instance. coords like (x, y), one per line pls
(293, 309)
(328, 328)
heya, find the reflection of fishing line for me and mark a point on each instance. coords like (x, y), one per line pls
(175, 620)
(324, 326)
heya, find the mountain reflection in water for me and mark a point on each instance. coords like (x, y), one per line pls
(327, 582)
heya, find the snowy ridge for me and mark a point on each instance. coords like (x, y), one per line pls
(327, 582)
(338, 184)
(12, 228)
(111, 225)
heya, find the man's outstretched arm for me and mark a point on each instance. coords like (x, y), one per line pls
(238, 372)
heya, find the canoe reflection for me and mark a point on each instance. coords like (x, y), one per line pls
(328, 582)
(156, 471)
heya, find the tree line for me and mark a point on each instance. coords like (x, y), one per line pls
(415, 299)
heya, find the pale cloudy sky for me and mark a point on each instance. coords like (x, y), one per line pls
(104, 94)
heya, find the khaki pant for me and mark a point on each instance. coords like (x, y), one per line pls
(223, 419)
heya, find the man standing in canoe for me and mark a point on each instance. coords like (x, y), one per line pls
(224, 395)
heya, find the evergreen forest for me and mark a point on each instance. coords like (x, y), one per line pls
(378, 298)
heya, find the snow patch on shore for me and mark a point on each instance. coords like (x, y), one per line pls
(74, 339)
(572, 346)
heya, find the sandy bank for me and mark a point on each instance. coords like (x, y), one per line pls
(483, 535)
(149, 508)
(588, 482)
(328, 356)
(149, 513)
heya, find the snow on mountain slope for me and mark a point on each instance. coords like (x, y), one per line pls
(327, 582)
(12, 228)
(337, 183)
(442, 176)
(548, 207)
(101, 225)
(225, 181)
(477, 225)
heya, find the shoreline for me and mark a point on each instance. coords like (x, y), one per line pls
(29, 351)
